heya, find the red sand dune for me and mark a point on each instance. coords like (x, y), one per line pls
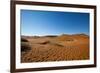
(54, 48)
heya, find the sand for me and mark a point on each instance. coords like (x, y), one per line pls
(54, 48)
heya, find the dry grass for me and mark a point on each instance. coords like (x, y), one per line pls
(65, 47)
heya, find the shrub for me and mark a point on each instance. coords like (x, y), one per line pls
(24, 40)
(25, 47)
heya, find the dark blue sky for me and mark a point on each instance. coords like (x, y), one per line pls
(53, 23)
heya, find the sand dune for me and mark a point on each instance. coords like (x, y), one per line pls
(54, 48)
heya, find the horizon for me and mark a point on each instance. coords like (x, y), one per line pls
(41, 23)
(55, 35)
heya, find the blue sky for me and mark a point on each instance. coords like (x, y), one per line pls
(42, 23)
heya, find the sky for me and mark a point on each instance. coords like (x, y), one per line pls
(40, 23)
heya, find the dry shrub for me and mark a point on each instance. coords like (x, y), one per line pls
(25, 47)
(24, 40)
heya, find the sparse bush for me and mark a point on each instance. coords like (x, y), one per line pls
(24, 40)
(25, 47)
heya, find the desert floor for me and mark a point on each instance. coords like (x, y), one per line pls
(54, 48)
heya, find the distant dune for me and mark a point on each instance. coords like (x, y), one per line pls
(54, 48)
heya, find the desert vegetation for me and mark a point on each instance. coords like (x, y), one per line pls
(54, 48)
(25, 45)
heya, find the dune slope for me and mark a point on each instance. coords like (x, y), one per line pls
(55, 48)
